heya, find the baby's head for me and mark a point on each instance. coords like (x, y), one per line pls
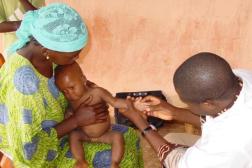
(71, 81)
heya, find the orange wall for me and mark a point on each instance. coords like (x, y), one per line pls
(137, 44)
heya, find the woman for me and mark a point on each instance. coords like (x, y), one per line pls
(33, 131)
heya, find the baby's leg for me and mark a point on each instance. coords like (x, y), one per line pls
(117, 141)
(76, 145)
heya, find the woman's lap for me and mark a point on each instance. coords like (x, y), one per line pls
(98, 155)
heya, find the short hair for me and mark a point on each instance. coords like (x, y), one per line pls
(204, 76)
(62, 69)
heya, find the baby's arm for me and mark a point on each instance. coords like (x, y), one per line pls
(107, 97)
(121, 103)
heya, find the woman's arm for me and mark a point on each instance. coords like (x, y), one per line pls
(84, 115)
(27, 5)
(9, 26)
(66, 126)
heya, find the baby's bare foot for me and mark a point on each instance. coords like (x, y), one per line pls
(81, 164)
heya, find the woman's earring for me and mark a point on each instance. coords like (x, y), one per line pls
(47, 56)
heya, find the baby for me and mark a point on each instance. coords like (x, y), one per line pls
(73, 83)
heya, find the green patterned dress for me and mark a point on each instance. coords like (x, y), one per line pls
(30, 106)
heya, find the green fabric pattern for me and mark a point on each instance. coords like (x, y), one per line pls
(30, 105)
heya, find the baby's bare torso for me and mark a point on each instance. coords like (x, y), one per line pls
(96, 130)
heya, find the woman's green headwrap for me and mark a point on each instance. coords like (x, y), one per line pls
(57, 27)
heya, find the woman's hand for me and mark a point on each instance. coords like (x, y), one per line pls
(87, 115)
(159, 108)
(84, 115)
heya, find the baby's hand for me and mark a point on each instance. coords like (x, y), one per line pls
(139, 105)
(135, 106)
